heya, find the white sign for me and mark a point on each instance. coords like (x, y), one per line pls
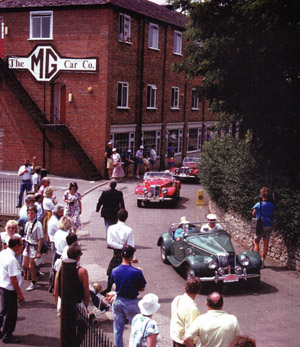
(45, 63)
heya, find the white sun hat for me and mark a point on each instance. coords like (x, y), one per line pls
(149, 304)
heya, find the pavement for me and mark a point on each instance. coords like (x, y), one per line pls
(37, 323)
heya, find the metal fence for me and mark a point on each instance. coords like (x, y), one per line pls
(9, 192)
(88, 333)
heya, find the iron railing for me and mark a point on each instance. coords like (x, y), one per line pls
(9, 192)
(88, 334)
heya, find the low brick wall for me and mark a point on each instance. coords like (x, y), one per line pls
(279, 251)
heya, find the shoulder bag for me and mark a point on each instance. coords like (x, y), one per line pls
(257, 223)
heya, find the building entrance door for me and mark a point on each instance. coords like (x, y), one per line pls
(59, 109)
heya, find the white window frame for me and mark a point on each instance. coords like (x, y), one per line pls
(120, 102)
(199, 137)
(171, 127)
(41, 15)
(155, 127)
(151, 96)
(175, 98)
(195, 100)
(153, 36)
(124, 20)
(177, 48)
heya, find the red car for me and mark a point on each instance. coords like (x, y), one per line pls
(157, 187)
(188, 170)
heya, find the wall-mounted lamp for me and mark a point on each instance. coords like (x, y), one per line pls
(6, 31)
(70, 97)
(90, 89)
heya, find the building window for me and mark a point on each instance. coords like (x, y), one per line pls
(175, 139)
(151, 96)
(123, 90)
(124, 27)
(177, 42)
(151, 138)
(175, 98)
(195, 100)
(194, 139)
(123, 141)
(41, 25)
(153, 36)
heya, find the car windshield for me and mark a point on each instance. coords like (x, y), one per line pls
(158, 175)
(191, 160)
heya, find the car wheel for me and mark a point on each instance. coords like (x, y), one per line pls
(139, 203)
(189, 272)
(163, 254)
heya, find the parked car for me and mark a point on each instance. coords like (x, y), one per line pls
(157, 187)
(189, 169)
(208, 255)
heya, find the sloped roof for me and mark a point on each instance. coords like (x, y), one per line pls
(142, 7)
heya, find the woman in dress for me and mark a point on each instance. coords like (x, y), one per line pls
(118, 171)
(74, 208)
(144, 330)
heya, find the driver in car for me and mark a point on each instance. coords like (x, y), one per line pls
(211, 225)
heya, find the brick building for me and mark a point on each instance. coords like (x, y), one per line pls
(75, 74)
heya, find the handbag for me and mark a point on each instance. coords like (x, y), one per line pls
(44, 248)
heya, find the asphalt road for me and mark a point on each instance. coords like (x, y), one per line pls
(270, 314)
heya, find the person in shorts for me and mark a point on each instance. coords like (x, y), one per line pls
(34, 235)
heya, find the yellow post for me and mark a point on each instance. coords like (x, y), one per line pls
(200, 197)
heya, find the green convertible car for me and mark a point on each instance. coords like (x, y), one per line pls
(208, 254)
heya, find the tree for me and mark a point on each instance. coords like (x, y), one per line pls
(248, 54)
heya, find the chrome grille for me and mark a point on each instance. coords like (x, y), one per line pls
(225, 260)
(155, 190)
(184, 170)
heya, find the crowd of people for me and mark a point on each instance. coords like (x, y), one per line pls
(120, 166)
(45, 222)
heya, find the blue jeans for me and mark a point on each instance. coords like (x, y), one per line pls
(25, 185)
(122, 309)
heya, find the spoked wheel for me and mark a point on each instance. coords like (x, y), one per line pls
(163, 254)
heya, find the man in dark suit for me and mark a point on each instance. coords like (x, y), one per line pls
(111, 201)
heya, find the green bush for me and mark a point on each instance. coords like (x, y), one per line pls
(233, 174)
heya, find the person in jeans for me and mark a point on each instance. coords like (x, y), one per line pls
(129, 282)
(25, 171)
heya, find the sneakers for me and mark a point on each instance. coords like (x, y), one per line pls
(32, 286)
(11, 339)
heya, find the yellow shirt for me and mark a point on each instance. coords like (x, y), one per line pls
(216, 328)
(184, 312)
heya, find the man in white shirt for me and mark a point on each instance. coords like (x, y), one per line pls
(211, 225)
(152, 157)
(216, 328)
(118, 235)
(25, 171)
(10, 291)
(184, 311)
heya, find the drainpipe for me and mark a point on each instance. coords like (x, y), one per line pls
(140, 67)
(44, 141)
(163, 115)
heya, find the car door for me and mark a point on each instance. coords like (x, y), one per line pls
(179, 249)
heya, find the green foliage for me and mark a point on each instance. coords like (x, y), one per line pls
(232, 175)
(247, 53)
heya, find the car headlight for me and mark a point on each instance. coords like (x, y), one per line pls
(145, 190)
(212, 264)
(164, 190)
(190, 171)
(244, 260)
(149, 195)
(177, 171)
